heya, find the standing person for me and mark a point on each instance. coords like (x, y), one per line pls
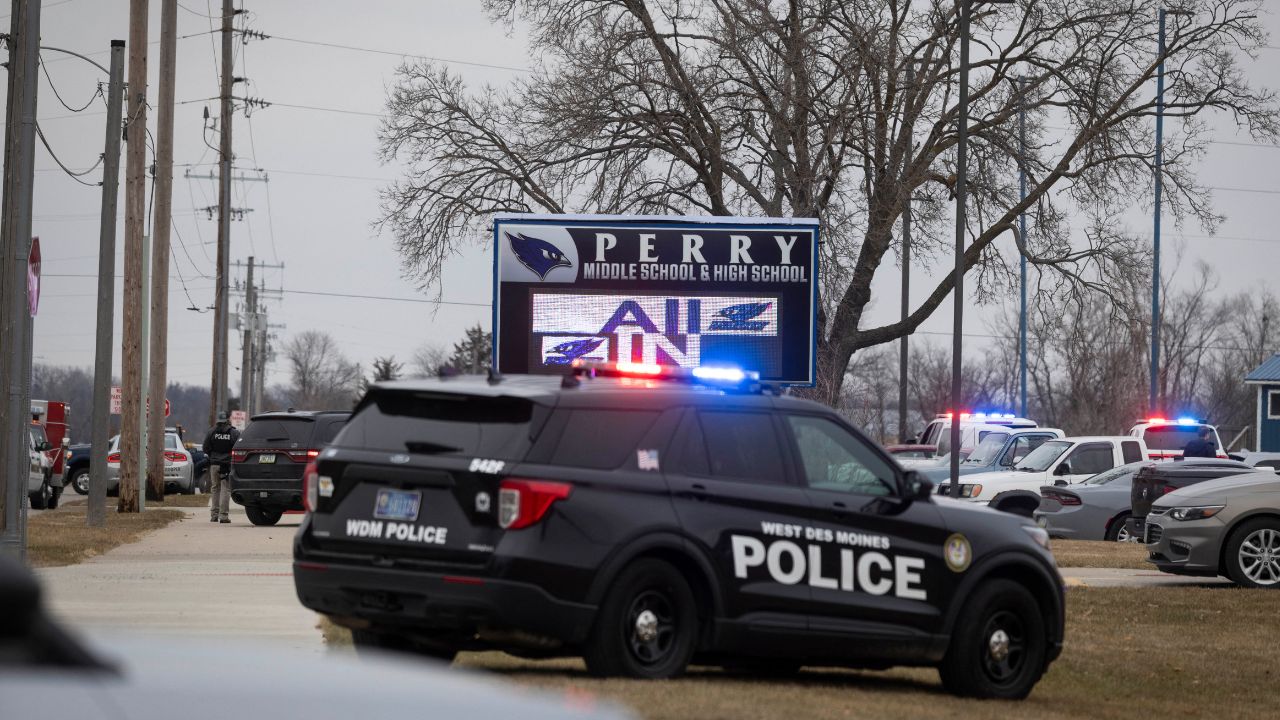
(218, 444)
(1202, 446)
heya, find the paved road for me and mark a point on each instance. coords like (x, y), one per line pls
(1121, 577)
(192, 579)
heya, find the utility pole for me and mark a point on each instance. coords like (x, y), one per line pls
(248, 321)
(135, 197)
(160, 251)
(906, 290)
(15, 248)
(97, 513)
(219, 389)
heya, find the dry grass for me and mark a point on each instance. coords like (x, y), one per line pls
(60, 537)
(1155, 652)
(1099, 554)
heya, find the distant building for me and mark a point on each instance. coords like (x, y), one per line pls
(1266, 377)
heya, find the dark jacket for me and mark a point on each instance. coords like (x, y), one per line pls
(218, 443)
(1200, 448)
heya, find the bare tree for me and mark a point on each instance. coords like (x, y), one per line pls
(427, 360)
(322, 376)
(803, 108)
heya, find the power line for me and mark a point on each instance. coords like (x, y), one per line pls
(386, 297)
(72, 173)
(339, 46)
(317, 108)
(96, 93)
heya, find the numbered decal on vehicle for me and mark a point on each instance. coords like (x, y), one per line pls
(492, 467)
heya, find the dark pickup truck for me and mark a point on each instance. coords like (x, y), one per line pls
(77, 467)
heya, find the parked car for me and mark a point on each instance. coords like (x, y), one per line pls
(1067, 461)
(1098, 508)
(180, 471)
(912, 456)
(1227, 526)
(1166, 439)
(43, 489)
(973, 428)
(1258, 459)
(1151, 483)
(274, 449)
(1000, 449)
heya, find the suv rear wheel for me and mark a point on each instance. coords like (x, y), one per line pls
(80, 480)
(998, 648)
(261, 516)
(646, 626)
(41, 498)
(366, 640)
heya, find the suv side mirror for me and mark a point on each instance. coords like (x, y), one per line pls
(43, 446)
(919, 487)
(1063, 469)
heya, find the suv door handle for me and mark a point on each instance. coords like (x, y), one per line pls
(839, 509)
(699, 491)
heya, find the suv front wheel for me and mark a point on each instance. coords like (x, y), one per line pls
(259, 515)
(646, 626)
(998, 648)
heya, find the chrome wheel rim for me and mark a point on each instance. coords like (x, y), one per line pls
(651, 627)
(1259, 556)
(1004, 647)
(1123, 535)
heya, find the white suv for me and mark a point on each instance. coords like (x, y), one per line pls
(973, 428)
(1165, 439)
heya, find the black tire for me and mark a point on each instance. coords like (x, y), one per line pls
(1116, 531)
(259, 515)
(80, 480)
(366, 640)
(40, 498)
(971, 669)
(656, 593)
(1263, 538)
(54, 497)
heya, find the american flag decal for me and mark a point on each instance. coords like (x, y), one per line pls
(647, 459)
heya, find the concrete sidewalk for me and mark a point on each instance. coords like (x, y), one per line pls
(1125, 577)
(192, 579)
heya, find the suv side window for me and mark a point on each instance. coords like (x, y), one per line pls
(601, 439)
(834, 459)
(331, 430)
(742, 446)
(1021, 447)
(1091, 459)
(1132, 453)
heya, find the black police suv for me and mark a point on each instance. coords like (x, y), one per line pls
(646, 519)
(274, 449)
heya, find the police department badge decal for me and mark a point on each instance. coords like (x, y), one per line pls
(957, 553)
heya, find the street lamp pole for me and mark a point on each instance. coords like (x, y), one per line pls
(1022, 237)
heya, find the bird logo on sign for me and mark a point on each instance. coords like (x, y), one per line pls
(536, 254)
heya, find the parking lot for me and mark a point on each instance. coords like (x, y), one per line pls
(1182, 651)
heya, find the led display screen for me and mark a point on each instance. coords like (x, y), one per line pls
(674, 291)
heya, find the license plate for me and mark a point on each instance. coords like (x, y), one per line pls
(266, 459)
(397, 505)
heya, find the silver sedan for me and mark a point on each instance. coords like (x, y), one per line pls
(179, 473)
(1098, 508)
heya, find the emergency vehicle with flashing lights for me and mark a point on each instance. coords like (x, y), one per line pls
(974, 427)
(645, 517)
(1166, 439)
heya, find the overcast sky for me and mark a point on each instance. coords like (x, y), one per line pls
(315, 214)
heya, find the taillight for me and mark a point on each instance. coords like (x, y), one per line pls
(310, 487)
(239, 455)
(1167, 489)
(175, 456)
(522, 503)
(1066, 499)
(302, 455)
(113, 457)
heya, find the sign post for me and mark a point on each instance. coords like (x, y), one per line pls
(668, 290)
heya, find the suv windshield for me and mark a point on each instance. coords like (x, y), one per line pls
(1041, 458)
(988, 449)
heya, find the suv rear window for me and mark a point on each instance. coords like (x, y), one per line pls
(435, 423)
(278, 432)
(1170, 437)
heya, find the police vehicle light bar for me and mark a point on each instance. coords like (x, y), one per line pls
(711, 375)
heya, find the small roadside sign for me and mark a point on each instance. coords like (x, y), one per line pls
(117, 401)
(239, 419)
